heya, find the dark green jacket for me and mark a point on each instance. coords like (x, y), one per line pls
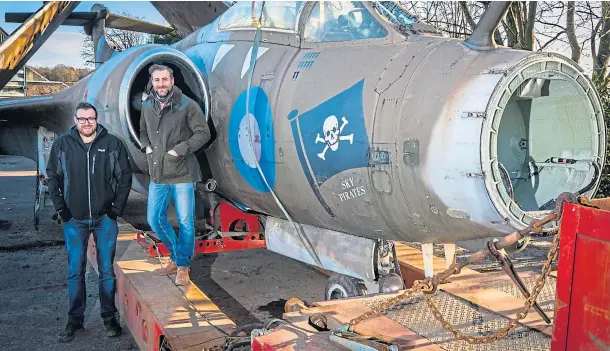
(180, 126)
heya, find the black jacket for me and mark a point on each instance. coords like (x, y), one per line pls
(89, 183)
(180, 126)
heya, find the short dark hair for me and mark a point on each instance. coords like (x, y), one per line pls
(85, 106)
(158, 67)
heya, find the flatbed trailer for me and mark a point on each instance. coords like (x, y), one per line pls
(164, 316)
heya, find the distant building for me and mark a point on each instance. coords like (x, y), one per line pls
(17, 85)
(3, 34)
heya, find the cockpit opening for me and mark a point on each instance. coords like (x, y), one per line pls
(341, 21)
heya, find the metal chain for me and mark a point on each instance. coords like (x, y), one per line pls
(428, 289)
(502, 333)
(418, 287)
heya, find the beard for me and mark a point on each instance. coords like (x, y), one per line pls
(85, 133)
(166, 90)
(162, 96)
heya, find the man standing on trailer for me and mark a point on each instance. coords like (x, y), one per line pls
(172, 128)
(89, 182)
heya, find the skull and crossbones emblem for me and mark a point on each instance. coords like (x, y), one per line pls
(332, 135)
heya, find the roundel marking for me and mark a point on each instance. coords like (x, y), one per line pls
(251, 139)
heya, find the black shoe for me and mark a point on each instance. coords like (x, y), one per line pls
(113, 329)
(68, 333)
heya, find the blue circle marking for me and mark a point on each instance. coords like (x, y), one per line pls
(259, 123)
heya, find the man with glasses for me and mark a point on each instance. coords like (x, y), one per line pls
(89, 182)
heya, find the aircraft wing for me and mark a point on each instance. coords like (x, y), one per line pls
(29, 37)
(44, 110)
(188, 16)
(21, 117)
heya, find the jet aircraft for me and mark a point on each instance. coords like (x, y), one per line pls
(346, 125)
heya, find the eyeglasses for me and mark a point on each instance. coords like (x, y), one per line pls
(88, 120)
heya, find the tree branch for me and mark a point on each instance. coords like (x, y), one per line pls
(531, 21)
(571, 32)
(551, 40)
(593, 35)
(468, 16)
(512, 30)
(521, 26)
(603, 54)
(551, 24)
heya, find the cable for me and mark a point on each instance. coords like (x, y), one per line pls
(275, 320)
(593, 180)
(253, 57)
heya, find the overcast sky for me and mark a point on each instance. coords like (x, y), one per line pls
(64, 45)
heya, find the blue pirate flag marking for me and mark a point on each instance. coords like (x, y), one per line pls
(251, 139)
(331, 138)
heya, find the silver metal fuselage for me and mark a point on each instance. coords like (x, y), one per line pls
(420, 163)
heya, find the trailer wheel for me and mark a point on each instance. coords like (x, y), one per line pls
(340, 286)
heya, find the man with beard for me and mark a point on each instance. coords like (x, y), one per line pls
(89, 182)
(172, 128)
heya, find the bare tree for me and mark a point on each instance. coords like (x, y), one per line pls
(456, 19)
(600, 68)
(590, 22)
(117, 39)
(519, 24)
(527, 25)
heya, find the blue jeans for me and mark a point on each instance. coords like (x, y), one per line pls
(182, 246)
(77, 232)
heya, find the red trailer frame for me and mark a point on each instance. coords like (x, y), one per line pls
(582, 307)
(230, 218)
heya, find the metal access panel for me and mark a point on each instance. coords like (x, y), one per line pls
(338, 252)
(582, 317)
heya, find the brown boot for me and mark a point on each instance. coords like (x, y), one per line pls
(170, 268)
(182, 278)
